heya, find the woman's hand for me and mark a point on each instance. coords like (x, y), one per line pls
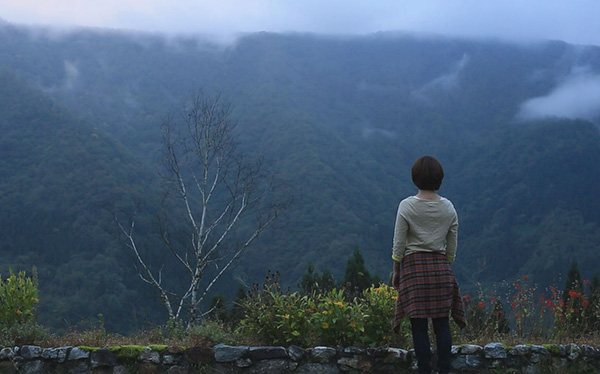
(396, 280)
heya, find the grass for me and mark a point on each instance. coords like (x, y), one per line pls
(159, 338)
(214, 332)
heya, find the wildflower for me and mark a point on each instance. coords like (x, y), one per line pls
(586, 282)
(525, 277)
(325, 325)
(340, 304)
(481, 304)
(517, 285)
(286, 316)
(19, 312)
(467, 297)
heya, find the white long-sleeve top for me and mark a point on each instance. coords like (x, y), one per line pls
(425, 226)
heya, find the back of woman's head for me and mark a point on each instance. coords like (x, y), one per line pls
(427, 173)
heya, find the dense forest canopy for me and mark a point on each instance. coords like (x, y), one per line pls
(339, 119)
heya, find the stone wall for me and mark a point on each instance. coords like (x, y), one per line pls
(491, 358)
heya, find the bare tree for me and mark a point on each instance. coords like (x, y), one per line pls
(222, 200)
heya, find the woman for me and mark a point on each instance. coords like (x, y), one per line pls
(425, 240)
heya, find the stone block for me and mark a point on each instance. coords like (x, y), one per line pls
(29, 352)
(316, 368)
(78, 354)
(495, 350)
(149, 355)
(322, 355)
(520, 350)
(360, 363)
(103, 358)
(470, 349)
(395, 355)
(573, 351)
(267, 353)
(6, 354)
(296, 353)
(199, 355)
(56, 354)
(227, 353)
(590, 351)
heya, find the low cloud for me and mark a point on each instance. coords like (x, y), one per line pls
(71, 76)
(444, 83)
(369, 132)
(571, 21)
(69, 81)
(576, 97)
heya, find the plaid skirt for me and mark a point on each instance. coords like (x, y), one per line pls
(428, 289)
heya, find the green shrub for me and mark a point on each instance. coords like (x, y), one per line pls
(25, 333)
(328, 318)
(18, 297)
(278, 318)
(337, 321)
(380, 304)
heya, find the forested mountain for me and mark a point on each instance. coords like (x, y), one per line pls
(340, 119)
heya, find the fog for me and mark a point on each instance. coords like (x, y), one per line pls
(576, 97)
(571, 21)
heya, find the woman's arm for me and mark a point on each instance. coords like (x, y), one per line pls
(400, 231)
(452, 239)
(396, 276)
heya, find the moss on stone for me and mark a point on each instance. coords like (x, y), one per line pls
(88, 348)
(554, 349)
(127, 352)
(158, 347)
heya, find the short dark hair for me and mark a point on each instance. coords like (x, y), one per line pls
(427, 173)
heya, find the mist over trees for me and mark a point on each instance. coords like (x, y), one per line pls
(340, 120)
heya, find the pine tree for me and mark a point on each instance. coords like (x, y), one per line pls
(357, 276)
(312, 282)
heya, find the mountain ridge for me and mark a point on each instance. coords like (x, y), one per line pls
(341, 120)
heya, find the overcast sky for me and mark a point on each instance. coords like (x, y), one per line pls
(574, 21)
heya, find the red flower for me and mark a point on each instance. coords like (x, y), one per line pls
(517, 285)
(481, 304)
(467, 297)
(585, 304)
(525, 277)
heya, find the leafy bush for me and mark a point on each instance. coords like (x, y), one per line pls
(25, 333)
(277, 317)
(329, 318)
(380, 304)
(18, 297)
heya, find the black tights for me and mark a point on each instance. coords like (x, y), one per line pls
(441, 327)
